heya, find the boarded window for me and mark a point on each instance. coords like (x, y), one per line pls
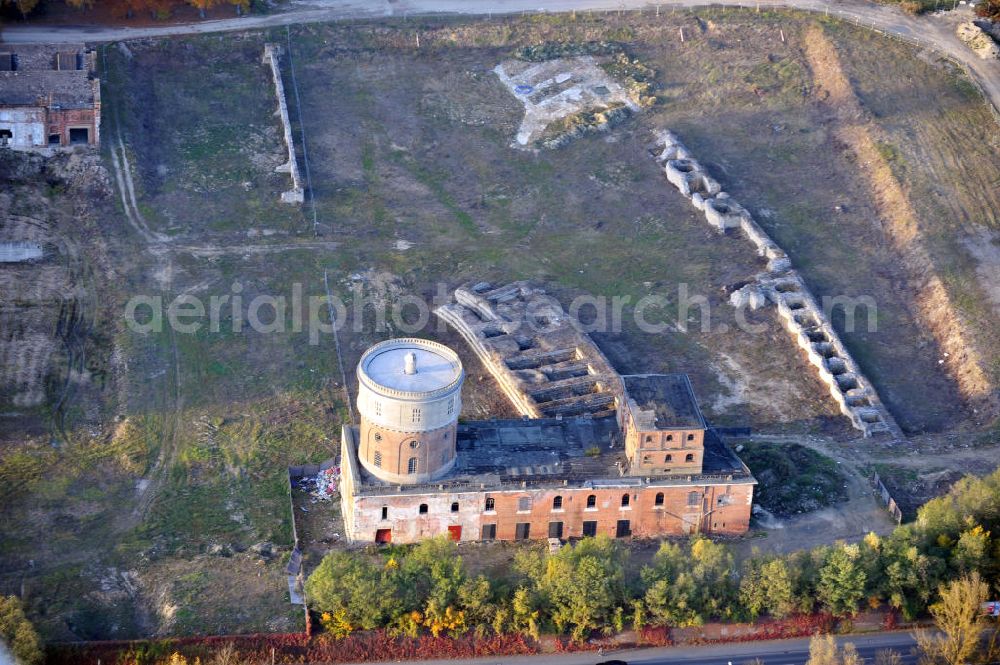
(522, 530)
(555, 529)
(694, 498)
(524, 503)
(623, 529)
(489, 532)
(590, 528)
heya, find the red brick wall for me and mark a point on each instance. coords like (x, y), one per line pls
(61, 120)
(646, 519)
(655, 445)
(706, 514)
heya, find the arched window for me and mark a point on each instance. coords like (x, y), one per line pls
(669, 458)
(690, 437)
(649, 438)
(490, 504)
(591, 501)
(378, 437)
(411, 466)
(625, 500)
(454, 506)
(659, 499)
(377, 461)
(646, 459)
(689, 457)
(557, 503)
(423, 509)
(670, 437)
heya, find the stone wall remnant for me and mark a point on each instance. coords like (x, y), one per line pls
(544, 365)
(297, 193)
(782, 285)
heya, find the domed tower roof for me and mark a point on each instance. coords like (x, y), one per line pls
(410, 368)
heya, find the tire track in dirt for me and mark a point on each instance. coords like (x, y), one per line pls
(932, 305)
(161, 248)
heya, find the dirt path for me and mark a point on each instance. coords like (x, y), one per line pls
(936, 32)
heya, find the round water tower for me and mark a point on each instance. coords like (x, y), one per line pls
(409, 398)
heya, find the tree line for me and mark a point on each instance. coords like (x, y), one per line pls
(590, 588)
(157, 9)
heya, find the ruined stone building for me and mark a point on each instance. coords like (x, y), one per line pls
(50, 97)
(647, 466)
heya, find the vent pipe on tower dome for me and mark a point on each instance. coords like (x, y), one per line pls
(410, 363)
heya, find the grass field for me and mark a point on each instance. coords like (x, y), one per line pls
(185, 450)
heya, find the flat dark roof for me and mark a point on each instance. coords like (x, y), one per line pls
(507, 454)
(36, 76)
(662, 401)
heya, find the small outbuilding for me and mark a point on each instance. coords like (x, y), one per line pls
(50, 97)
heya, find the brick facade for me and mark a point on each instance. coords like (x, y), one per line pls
(656, 452)
(432, 452)
(659, 507)
(61, 121)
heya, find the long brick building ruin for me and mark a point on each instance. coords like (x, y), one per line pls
(639, 460)
(50, 97)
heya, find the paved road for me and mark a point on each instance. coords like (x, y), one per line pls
(777, 652)
(933, 31)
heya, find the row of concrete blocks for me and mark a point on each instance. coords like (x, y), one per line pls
(721, 211)
(297, 193)
(811, 329)
(782, 285)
